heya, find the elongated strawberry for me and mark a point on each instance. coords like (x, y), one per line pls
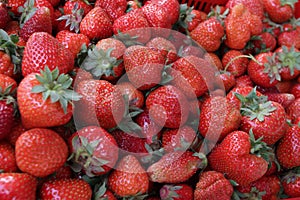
(213, 185)
(114, 9)
(19, 186)
(8, 161)
(176, 192)
(176, 167)
(279, 11)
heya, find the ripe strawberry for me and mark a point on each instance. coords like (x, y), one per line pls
(234, 158)
(64, 172)
(295, 90)
(114, 9)
(255, 7)
(6, 106)
(288, 150)
(214, 186)
(176, 192)
(218, 117)
(50, 152)
(208, 34)
(8, 161)
(17, 186)
(45, 99)
(96, 24)
(135, 96)
(244, 91)
(168, 106)
(265, 188)
(14, 6)
(129, 178)
(17, 130)
(66, 189)
(137, 61)
(176, 167)
(290, 38)
(94, 151)
(172, 7)
(69, 7)
(228, 80)
(264, 42)
(293, 111)
(4, 16)
(214, 60)
(234, 62)
(291, 183)
(72, 41)
(279, 11)
(198, 17)
(285, 99)
(156, 15)
(102, 193)
(243, 81)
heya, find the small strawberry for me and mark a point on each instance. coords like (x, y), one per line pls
(228, 80)
(214, 60)
(40, 152)
(291, 183)
(17, 186)
(279, 11)
(129, 178)
(290, 38)
(293, 111)
(176, 192)
(235, 63)
(264, 42)
(66, 189)
(114, 9)
(103, 193)
(17, 130)
(214, 186)
(14, 6)
(243, 81)
(8, 161)
(70, 5)
(4, 16)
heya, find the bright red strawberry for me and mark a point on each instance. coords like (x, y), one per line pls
(172, 7)
(234, 158)
(168, 106)
(218, 117)
(234, 62)
(4, 16)
(176, 167)
(285, 99)
(279, 11)
(94, 151)
(264, 42)
(129, 178)
(243, 81)
(244, 91)
(66, 189)
(291, 183)
(198, 17)
(214, 186)
(137, 61)
(14, 5)
(295, 90)
(290, 38)
(44, 50)
(40, 152)
(8, 159)
(208, 34)
(176, 192)
(156, 15)
(135, 96)
(255, 7)
(228, 80)
(288, 149)
(114, 9)
(214, 60)
(293, 111)
(96, 24)
(17, 186)
(45, 99)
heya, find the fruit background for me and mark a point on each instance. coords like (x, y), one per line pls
(155, 99)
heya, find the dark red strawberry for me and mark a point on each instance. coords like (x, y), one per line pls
(285, 99)
(243, 81)
(295, 90)
(8, 161)
(114, 9)
(293, 110)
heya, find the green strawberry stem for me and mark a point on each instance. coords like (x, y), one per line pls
(259, 148)
(288, 2)
(28, 10)
(272, 68)
(185, 16)
(241, 56)
(56, 87)
(289, 58)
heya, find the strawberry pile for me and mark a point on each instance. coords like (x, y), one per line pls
(103, 99)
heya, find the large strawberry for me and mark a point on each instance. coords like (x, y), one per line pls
(45, 99)
(114, 9)
(239, 157)
(94, 151)
(66, 189)
(176, 167)
(214, 186)
(7, 152)
(50, 152)
(129, 178)
(176, 192)
(19, 186)
(279, 11)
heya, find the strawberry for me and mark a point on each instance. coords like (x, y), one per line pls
(69, 7)
(172, 7)
(255, 7)
(8, 161)
(14, 6)
(288, 150)
(293, 111)
(214, 186)
(265, 188)
(17, 130)
(129, 178)
(17, 186)
(96, 24)
(135, 96)
(137, 61)
(290, 38)
(228, 80)
(285, 99)
(45, 99)
(291, 183)
(235, 63)
(198, 17)
(235, 158)
(103, 193)
(157, 16)
(208, 34)
(295, 90)
(279, 11)
(93, 151)
(244, 91)
(243, 81)
(63, 172)
(5, 18)
(176, 167)
(264, 42)
(72, 41)
(218, 117)
(114, 9)
(168, 106)
(44, 50)
(176, 192)
(214, 60)
(66, 189)
(50, 152)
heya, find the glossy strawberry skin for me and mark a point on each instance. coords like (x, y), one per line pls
(276, 11)
(244, 91)
(6, 65)
(135, 97)
(255, 7)
(157, 16)
(237, 67)
(114, 9)
(6, 118)
(172, 8)
(290, 38)
(69, 5)
(8, 161)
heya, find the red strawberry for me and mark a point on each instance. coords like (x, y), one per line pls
(255, 7)
(293, 110)
(176, 167)
(214, 186)
(172, 7)
(8, 161)
(176, 192)
(17, 130)
(14, 6)
(243, 81)
(295, 90)
(233, 158)
(40, 152)
(45, 99)
(285, 99)
(288, 149)
(64, 172)
(96, 24)
(94, 150)
(279, 11)
(264, 42)
(135, 96)
(156, 15)
(17, 186)
(66, 189)
(102, 193)
(290, 38)
(129, 178)
(5, 18)
(69, 6)
(6, 64)
(244, 91)
(168, 106)
(198, 17)
(114, 9)
(214, 60)
(218, 117)
(228, 80)
(234, 62)
(291, 183)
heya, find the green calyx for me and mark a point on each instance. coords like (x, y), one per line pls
(216, 12)
(292, 175)
(203, 164)
(288, 2)
(259, 148)
(28, 10)
(168, 192)
(100, 62)
(254, 194)
(185, 16)
(127, 40)
(56, 87)
(74, 18)
(272, 68)
(289, 58)
(255, 107)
